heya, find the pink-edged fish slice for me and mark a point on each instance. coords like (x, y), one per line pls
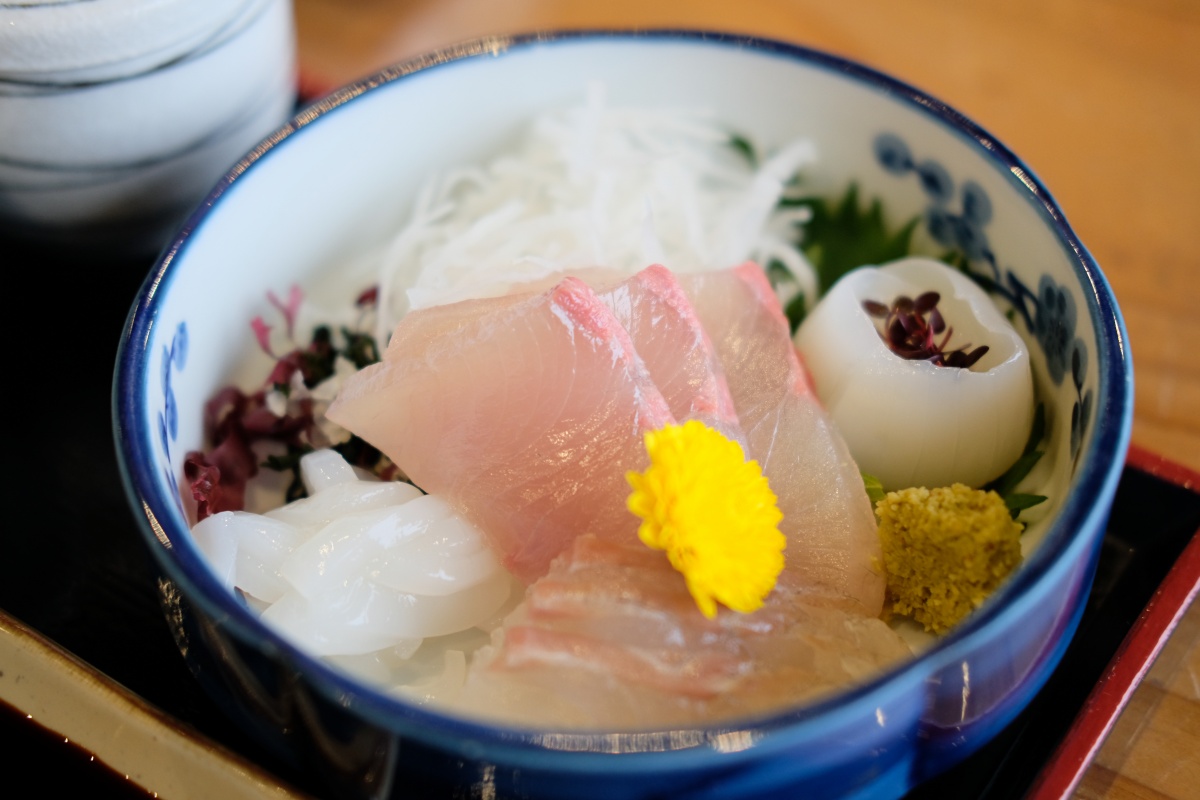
(675, 671)
(666, 333)
(653, 307)
(833, 544)
(523, 412)
(621, 611)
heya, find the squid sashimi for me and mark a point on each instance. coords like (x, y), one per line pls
(833, 546)
(988, 402)
(358, 566)
(616, 624)
(523, 413)
(674, 346)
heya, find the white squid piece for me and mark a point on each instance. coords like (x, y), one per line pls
(358, 566)
(910, 422)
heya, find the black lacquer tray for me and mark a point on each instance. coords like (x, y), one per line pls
(74, 567)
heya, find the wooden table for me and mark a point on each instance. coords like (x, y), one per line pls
(1100, 97)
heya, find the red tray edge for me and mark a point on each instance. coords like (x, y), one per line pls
(1133, 659)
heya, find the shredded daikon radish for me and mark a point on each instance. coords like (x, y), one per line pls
(595, 185)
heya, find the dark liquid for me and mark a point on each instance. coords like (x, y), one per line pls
(58, 768)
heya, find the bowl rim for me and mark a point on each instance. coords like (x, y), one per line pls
(1080, 520)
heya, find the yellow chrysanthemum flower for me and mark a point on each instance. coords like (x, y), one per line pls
(713, 513)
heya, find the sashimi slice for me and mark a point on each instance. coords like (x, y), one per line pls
(674, 346)
(666, 333)
(613, 628)
(623, 609)
(523, 412)
(833, 544)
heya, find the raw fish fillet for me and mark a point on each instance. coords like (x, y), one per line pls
(523, 412)
(613, 629)
(833, 545)
(674, 346)
(667, 335)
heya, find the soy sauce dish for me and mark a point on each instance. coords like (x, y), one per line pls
(337, 181)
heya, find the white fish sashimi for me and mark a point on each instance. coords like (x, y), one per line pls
(666, 334)
(674, 346)
(833, 545)
(613, 629)
(524, 413)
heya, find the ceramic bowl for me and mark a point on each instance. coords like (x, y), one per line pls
(129, 133)
(335, 181)
(81, 41)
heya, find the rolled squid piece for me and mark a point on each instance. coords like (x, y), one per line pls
(910, 422)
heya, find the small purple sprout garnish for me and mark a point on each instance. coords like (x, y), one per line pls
(235, 422)
(910, 329)
(368, 298)
(288, 308)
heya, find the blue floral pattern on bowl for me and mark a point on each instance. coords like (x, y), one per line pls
(1048, 314)
(174, 359)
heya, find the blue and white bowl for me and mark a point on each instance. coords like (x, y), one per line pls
(332, 184)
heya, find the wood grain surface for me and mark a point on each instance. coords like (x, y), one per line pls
(1101, 98)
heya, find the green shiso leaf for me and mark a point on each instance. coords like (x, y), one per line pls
(360, 348)
(841, 235)
(795, 311)
(1006, 484)
(1019, 502)
(874, 488)
(745, 147)
(290, 462)
(1037, 431)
